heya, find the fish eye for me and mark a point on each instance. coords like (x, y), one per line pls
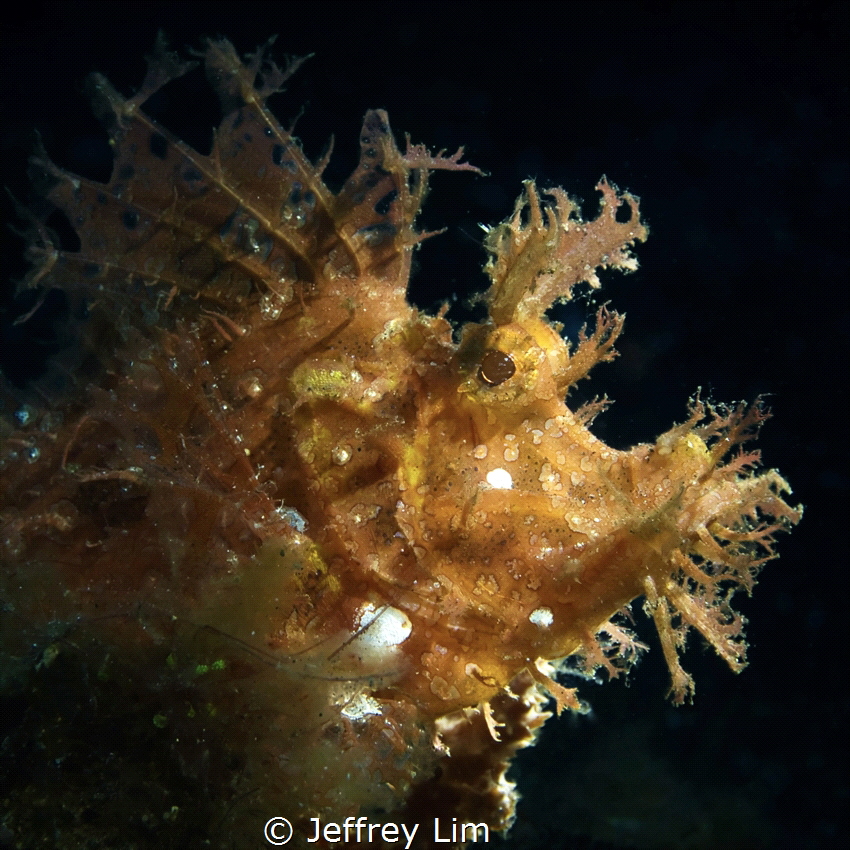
(496, 367)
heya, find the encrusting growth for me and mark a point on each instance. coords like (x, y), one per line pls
(336, 556)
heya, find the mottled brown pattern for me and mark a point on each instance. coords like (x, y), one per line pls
(328, 544)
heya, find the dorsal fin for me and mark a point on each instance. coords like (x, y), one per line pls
(252, 217)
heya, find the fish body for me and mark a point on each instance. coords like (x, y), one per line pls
(329, 537)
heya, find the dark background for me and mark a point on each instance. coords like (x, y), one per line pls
(730, 122)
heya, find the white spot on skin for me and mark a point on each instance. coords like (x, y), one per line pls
(550, 479)
(480, 452)
(511, 452)
(382, 627)
(361, 706)
(500, 479)
(373, 644)
(541, 617)
(340, 455)
(292, 518)
(361, 514)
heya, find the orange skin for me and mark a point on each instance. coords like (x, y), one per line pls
(289, 472)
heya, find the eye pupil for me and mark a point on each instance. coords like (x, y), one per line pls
(496, 367)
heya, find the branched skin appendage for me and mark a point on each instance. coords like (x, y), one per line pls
(292, 499)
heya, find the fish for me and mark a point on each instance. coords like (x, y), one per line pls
(337, 548)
